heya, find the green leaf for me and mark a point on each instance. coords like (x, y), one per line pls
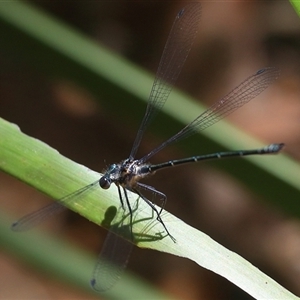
(39, 165)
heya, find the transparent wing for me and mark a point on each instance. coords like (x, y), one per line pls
(243, 93)
(33, 219)
(176, 50)
(119, 242)
(111, 262)
(117, 247)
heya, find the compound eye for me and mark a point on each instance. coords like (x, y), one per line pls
(104, 182)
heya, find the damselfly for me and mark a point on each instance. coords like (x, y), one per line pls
(127, 174)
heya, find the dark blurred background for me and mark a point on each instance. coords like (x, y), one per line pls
(235, 39)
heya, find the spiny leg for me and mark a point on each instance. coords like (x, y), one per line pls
(163, 198)
(130, 211)
(120, 197)
(159, 219)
